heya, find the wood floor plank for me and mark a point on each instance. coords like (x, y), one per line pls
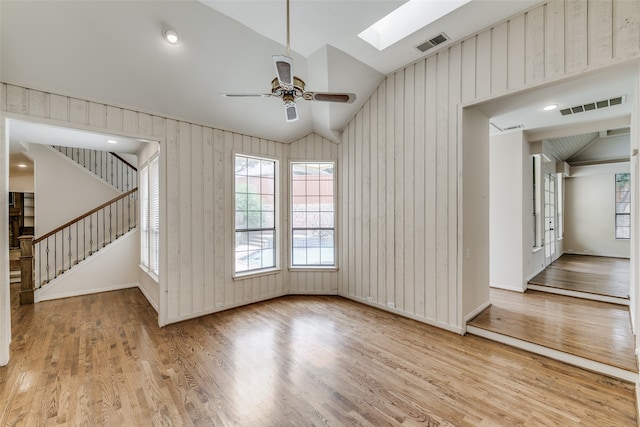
(102, 360)
(591, 274)
(594, 330)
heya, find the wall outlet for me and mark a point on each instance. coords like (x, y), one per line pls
(391, 304)
(219, 305)
(369, 299)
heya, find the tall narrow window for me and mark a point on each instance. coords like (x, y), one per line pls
(623, 206)
(154, 215)
(312, 214)
(255, 219)
(144, 216)
(150, 215)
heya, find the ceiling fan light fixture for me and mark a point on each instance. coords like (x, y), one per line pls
(171, 36)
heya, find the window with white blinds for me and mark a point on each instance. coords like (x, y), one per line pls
(144, 216)
(154, 214)
(150, 215)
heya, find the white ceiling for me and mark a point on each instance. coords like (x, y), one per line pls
(113, 52)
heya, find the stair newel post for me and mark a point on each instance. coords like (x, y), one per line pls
(26, 270)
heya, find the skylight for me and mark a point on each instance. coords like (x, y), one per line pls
(407, 19)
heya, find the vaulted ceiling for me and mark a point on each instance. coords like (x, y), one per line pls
(113, 52)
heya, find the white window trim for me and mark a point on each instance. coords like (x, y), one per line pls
(277, 225)
(145, 168)
(311, 268)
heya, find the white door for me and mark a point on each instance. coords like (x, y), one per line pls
(549, 218)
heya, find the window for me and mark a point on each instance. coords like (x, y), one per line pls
(255, 220)
(623, 206)
(150, 215)
(560, 224)
(312, 215)
(536, 203)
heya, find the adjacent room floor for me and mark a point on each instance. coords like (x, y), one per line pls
(101, 359)
(589, 329)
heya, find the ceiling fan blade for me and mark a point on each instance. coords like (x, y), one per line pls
(330, 97)
(284, 70)
(290, 111)
(246, 95)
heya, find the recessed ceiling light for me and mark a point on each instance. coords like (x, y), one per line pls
(22, 165)
(171, 36)
(550, 107)
(112, 141)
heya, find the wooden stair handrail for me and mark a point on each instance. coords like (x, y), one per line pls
(91, 212)
(123, 161)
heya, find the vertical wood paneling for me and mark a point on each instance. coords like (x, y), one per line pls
(534, 45)
(114, 118)
(455, 94)
(442, 187)
(17, 99)
(600, 31)
(373, 201)
(483, 65)
(431, 107)
(626, 28)
(209, 220)
(357, 221)
(78, 111)
(418, 160)
(38, 103)
(398, 158)
(351, 205)
(197, 219)
(97, 115)
(145, 125)
(59, 107)
(173, 220)
(499, 55)
(515, 54)
(391, 194)
(366, 197)
(228, 220)
(408, 198)
(185, 231)
(576, 35)
(129, 121)
(554, 40)
(219, 226)
(468, 69)
(383, 194)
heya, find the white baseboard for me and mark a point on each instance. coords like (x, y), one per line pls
(39, 298)
(477, 311)
(148, 297)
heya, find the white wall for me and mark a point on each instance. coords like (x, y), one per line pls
(590, 215)
(508, 152)
(5, 307)
(58, 182)
(97, 273)
(476, 223)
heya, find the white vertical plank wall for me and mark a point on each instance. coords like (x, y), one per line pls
(412, 146)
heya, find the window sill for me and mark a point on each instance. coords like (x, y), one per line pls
(149, 273)
(252, 274)
(314, 268)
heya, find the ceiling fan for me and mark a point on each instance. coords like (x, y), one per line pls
(290, 88)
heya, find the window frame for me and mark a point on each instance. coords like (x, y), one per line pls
(150, 239)
(615, 209)
(292, 229)
(276, 225)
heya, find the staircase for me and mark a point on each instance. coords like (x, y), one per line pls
(70, 244)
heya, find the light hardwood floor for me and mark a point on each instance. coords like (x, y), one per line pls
(594, 330)
(102, 360)
(591, 274)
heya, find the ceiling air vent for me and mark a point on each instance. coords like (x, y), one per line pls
(440, 38)
(513, 127)
(593, 105)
